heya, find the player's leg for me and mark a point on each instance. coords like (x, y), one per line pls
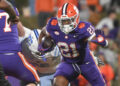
(30, 76)
(16, 65)
(64, 74)
(13, 81)
(46, 80)
(3, 81)
(60, 81)
(91, 72)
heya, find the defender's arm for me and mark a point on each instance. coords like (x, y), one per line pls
(5, 5)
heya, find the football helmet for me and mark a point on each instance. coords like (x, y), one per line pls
(68, 17)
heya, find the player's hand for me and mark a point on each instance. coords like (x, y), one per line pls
(39, 55)
(43, 50)
(100, 38)
(13, 20)
(99, 33)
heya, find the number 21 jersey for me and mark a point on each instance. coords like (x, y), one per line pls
(73, 46)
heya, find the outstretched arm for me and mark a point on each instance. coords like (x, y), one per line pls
(5, 5)
(100, 38)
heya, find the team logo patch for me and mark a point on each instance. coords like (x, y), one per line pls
(54, 22)
(81, 25)
(57, 33)
(100, 38)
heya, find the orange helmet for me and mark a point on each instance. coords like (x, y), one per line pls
(68, 17)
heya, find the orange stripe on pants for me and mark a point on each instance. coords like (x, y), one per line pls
(96, 65)
(29, 66)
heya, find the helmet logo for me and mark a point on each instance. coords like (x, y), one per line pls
(54, 22)
(81, 25)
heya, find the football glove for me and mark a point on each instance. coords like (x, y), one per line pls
(100, 38)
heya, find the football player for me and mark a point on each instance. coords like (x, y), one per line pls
(46, 65)
(5, 5)
(12, 60)
(72, 36)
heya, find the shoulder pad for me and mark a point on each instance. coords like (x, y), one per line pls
(53, 22)
(82, 27)
(85, 29)
(52, 25)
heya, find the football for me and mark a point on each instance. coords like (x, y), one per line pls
(48, 42)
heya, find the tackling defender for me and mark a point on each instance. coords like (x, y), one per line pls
(11, 58)
(71, 36)
(46, 65)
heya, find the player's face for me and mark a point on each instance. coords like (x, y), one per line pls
(67, 21)
(67, 24)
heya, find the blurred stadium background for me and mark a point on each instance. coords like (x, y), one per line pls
(103, 14)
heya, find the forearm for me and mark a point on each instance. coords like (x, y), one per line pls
(100, 38)
(43, 34)
(5, 5)
(21, 31)
(100, 41)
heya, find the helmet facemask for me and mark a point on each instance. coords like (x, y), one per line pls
(67, 24)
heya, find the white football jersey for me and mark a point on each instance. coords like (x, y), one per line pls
(33, 40)
(33, 36)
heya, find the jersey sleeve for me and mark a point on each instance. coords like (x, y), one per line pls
(86, 30)
(16, 11)
(51, 25)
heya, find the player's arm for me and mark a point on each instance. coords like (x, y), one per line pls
(94, 35)
(21, 31)
(5, 5)
(48, 46)
(99, 38)
(43, 34)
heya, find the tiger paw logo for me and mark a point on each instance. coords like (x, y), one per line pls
(100, 38)
(81, 25)
(54, 22)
